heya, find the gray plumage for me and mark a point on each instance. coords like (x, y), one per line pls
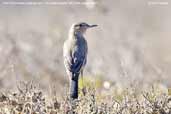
(75, 55)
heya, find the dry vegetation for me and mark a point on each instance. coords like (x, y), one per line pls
(31, 100)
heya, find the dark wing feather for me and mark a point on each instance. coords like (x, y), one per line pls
(77, 62)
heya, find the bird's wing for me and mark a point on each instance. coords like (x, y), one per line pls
(73, 59)
(77, 61)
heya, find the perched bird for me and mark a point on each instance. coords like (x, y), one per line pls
(75, 55)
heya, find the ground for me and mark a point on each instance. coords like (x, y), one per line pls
(29, 99)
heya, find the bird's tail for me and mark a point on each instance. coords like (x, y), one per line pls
(74, 86)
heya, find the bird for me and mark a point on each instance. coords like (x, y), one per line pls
(75, 51)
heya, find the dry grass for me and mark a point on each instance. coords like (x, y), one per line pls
(31, 100)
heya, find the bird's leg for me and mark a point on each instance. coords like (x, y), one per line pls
(82, 77)
(83, 89)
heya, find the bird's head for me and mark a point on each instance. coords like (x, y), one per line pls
(82, 27)
(79, 29)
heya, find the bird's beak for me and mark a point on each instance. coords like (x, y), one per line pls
(91, 26)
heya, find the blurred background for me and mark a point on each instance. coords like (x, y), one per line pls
(131, 45)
